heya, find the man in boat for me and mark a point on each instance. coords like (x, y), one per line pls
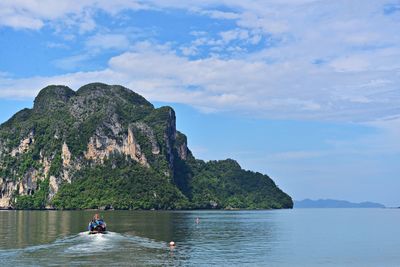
(97, 224)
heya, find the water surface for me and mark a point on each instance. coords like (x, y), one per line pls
(299, 237)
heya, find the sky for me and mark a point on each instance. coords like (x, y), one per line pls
(306, 91)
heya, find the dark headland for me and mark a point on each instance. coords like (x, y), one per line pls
(333, 203)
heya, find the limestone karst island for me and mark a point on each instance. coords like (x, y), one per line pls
(106, 147)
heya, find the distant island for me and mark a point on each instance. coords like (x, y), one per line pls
(106, 147)
(333, 203)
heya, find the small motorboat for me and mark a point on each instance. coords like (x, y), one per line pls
(97, 225)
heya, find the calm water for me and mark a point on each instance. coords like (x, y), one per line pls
(299, 237)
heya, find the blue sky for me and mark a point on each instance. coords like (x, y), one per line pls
(305, 91)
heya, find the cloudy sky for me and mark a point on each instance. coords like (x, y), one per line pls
(307, 91)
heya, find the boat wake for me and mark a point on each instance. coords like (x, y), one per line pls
(85, 243)
(81, 249)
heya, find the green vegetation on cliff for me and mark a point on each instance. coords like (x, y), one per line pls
(107, 147)
(128, 186)
(229, 186)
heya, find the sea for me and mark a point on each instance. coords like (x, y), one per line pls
(297, 237)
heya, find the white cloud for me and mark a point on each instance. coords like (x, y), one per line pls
(387, 138)
(72, 62)
(86, 22)
(235, 34)
(94, 46)
(4, 74)
(20, 22)
(57, 45)
(108, 41)
(33, 14)
(216, 14)
(350, 64)
(189, 50)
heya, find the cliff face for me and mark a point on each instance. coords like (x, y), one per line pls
(103, 146)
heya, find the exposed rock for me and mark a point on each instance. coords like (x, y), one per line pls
(5, 201)
(53, 186)
(65, 176)
(101, 147)
(46, 165)
(1, 149)
(24, 145)
(7, 188)
(183, 151)
(28, 185)
(114, 125)
(169, 137)
(98, 149)
(149, 133)
(65, 155)
(130, 147)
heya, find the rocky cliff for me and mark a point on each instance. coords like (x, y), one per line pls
(106, 146)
